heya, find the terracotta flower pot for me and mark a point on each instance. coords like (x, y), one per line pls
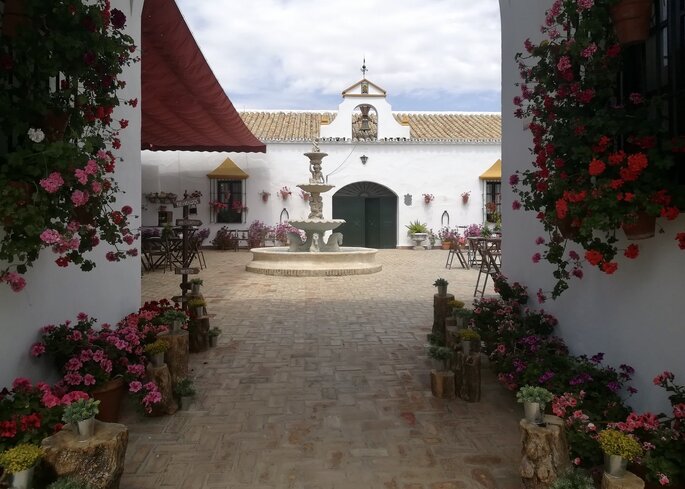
(446, 245)
(631, 20)
(642, 227)
(110, 395)
(566, 228)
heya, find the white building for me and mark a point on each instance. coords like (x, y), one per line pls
(382, 163)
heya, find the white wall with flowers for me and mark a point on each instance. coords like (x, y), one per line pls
(634, 316)
(53, 294)
(445, 170)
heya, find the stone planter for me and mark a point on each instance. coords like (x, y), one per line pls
(419, 238)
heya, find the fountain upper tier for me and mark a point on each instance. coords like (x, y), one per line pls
(316, 188)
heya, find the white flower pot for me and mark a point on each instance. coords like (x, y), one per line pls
(466, 346)
(157, 359)
(615, 465)
(213, 340)
(86, 428)
(533, 411)
(195, 289)
(23, 479)
(176, 326)
(185, 402)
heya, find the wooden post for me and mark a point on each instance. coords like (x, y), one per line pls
(467, 376)
(440, 313)
(162, 377)
(176, 357)
(544, 452)
(199, 334)
(97, 462)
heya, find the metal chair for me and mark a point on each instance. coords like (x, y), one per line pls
(491, 259)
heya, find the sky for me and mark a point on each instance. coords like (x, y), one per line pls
(301, 54)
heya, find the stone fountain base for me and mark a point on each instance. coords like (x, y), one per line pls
(281, 262)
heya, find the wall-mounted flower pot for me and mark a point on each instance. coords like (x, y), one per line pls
(110, 395)
(631, 20)
(642, 227)
(566, 228)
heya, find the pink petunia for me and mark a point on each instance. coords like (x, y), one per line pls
(79, 198)
(52, 183)
(135, 386)
(37, 349)
(50, 236)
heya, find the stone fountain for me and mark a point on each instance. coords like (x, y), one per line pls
(314, 256)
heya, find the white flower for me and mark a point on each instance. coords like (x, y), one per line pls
(36, 135)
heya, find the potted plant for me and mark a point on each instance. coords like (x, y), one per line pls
(264, 195)
(184, 391)
(601, 158)
(441, 284)
(573, 479)
(61, 195)
(225, 239)
(20, 462)
(428, 198)
(156, 350)
(176, 318)
(81, 414)
(465, 197)
(197, 305)
(631, 20)
(442, 379)
(470, 340)
(68, 483)
(214, 336)
(195, 285)
(282, 231)
(534, 400)
(418, 232)
(619, 448)
(447, 237)
(256, 233)
(285, 192)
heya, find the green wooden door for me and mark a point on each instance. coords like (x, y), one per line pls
(352, 210)
(372, 222)
(388, 222)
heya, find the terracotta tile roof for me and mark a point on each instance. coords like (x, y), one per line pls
(425, 126)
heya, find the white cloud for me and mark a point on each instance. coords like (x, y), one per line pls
(303, 53)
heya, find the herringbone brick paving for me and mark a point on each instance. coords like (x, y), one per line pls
(323, 383)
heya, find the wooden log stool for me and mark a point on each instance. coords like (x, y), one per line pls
(176, 357)
(544, 452)
(441, 311)
(442, 384)
(97, 462)
(198, 332)
(467, 375)
(628, 481)
(162, 377)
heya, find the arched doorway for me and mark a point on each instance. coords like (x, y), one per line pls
(370, 210)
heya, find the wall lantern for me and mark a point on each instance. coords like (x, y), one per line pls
(364, 159)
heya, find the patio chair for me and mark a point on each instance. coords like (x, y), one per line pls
(491, 258)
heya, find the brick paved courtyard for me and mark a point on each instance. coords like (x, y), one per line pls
(323, 383)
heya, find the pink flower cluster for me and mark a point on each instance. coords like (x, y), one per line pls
(15, 281)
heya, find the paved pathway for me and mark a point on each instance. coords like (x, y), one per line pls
(323, 383)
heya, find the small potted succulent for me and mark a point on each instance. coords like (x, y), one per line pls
(156, 350)
(81, 413)
(470, 340)
(197, 305)
(20, 462)
(441, 284)
(534, 400)
(184, 392)
(175, 318)
(619, 448)
(195, 285)
(213, 335)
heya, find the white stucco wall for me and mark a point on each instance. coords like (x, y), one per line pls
(55, 294)
(444, 170)
(634, 316)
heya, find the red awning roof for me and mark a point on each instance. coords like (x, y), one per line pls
(183, 105)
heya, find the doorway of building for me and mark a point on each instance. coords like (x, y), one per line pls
(370, 210)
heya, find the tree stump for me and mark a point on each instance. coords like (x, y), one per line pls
(198, 331)
(442, 384)
(451, 338)
(176, 357)
(162, 377)
(97, 462)
(544, 452)
(467, 376)
(440, 313)
(628, 481)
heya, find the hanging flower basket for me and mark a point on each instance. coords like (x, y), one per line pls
(631, 20)
(642, 227)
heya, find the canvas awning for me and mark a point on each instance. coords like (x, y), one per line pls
(228, 170)
(183, 106)
(494, 172)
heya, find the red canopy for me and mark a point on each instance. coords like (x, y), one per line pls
(183, 105)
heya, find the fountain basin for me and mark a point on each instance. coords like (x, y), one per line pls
(281, 262)
(316, 188)
(316, 225)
